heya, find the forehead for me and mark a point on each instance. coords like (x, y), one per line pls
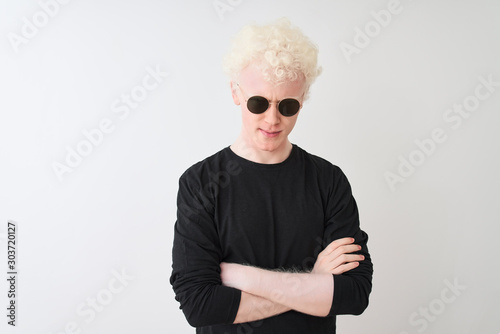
(254, 83)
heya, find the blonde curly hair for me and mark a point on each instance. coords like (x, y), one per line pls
(281, 51)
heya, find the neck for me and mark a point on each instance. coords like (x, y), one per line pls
(246, 151)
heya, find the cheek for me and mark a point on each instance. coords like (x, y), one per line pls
(249, 118)
(291, 123)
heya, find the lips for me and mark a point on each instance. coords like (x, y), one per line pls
(270, 134)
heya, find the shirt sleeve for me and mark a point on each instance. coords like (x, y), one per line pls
(352, 288)
(196, 257)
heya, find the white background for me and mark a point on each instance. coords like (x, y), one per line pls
(114, 212)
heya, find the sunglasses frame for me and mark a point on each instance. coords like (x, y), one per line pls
(269, 102)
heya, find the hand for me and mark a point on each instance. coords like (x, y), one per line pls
(336, 258)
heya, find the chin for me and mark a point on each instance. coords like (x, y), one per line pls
(270, 147)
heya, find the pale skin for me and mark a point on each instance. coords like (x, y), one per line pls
(255, 142)
(264, 139)
(267, 293)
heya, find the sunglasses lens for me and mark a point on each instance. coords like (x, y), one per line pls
(257, 104)
(289, 107)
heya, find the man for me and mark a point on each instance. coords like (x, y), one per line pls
(267, 238)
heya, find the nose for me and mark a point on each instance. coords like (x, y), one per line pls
(272, 115)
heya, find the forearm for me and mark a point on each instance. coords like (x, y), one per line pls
(253, 308)
(308, 293)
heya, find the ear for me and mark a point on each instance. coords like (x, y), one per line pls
(233, 93)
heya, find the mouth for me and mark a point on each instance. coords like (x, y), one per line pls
(270, 134)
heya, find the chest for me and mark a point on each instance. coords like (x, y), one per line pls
(271, 220)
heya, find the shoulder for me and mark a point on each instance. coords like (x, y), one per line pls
(212, 166)
(328, 175)
(202, 166)
(318, 163)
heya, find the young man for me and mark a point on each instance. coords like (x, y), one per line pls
(267, 238)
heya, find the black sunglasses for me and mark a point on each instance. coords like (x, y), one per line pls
(258, 105)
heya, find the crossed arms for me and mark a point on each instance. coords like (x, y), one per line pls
(267, 293)
(211, 292)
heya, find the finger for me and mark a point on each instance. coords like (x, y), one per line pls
(342, 260)
(330, 256)
(347, 249)
(337, 243)
(345, 267)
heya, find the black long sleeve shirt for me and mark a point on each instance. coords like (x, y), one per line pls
(270, 216)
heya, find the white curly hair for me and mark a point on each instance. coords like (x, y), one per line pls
(280, 50)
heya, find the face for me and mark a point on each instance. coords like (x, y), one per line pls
(266, 132)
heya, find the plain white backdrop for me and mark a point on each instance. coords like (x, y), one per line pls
(105, 103)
